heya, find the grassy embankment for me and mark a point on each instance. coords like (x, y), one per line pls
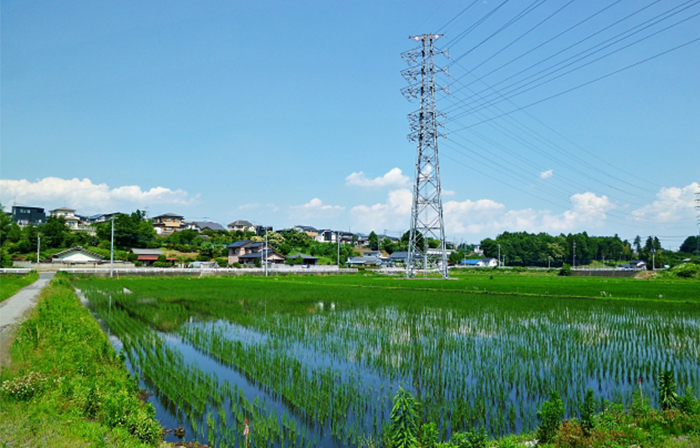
(66, 385)
(11, 283)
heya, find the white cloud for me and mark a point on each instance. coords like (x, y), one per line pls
(485, 216)
(672, 204)
(315, 208)
(83, 194)
(249, 206)
(448, 192)
(394, 214)
(546, 174)
(394, 178)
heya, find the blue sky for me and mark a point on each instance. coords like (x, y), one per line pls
(289, 113)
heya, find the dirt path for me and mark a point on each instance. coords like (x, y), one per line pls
(13, 310)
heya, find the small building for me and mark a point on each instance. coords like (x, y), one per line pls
(77, 255)
(306, 260)
(204, 265)
(167, 223)
(150, 256)
(327, 236)
(241, 226)
(24, 215)
(635, 264)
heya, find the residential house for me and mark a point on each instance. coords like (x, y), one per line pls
(400, 257)
(354, 262)
(68, 214)
(311, 231)
(306, 260)
(77, 255)
(246, 252)
(327, 236)
(102, 217)
(24, 215)
(150, 256)
(241, 226)
(200, 226)
(635, 264)
(168, 223)
(262, 230)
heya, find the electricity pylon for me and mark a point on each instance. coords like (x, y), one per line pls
(426, 211)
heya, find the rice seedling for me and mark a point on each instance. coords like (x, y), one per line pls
(317, 361)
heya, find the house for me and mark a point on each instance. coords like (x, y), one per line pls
(354, 262)
(236, 250)
(262, 230)
(200, 226)
(167, 223)
(306, 260)
(362, 240)
(634, 264)
(24, 215)
(77, 255)
(311, 231)
(241, 226)
(68, 214)
(103, 217)
(150, 256)
(269, 255)
(204, 265)
(327, 236)
(400, 257)
(371, 253)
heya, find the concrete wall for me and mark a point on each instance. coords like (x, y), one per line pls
(52, 267)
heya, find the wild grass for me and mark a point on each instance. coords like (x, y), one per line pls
(11, 283)
(66, 386)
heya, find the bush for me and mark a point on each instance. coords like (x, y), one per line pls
(565, 271)
(588, 412)
(667, 390)
(162, 264)
(236, 265)
(688, 403)
(550, 417)
(403, 420)
(428, 435)
(221, 261)
(24, 387)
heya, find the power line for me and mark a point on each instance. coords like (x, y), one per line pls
(510, 94)
(582, 85)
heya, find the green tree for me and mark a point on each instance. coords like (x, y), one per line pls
(690, 245)
(54, 233)
(668, 397)
(373, 241)
(638, 244)
(130, 231)
(388, 245)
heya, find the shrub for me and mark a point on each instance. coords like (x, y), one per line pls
(428, 435)
(221, 261)
(688, 403)
(162, 264)
(565, 271)
(588, 412)
(236, 265)
(403, 420)
(667, 390)
(550, 417)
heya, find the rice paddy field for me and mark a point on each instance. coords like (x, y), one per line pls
(316, 360)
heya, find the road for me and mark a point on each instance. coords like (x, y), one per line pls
(14, 309)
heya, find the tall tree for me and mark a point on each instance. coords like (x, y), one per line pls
(638, 244)
(373, 241)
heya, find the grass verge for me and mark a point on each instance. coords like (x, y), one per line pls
(11, 283)
(66, 385)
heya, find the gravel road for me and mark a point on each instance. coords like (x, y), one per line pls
(13, 310)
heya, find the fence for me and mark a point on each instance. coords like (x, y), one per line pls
(166, 272)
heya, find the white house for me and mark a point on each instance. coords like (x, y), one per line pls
(77, 255)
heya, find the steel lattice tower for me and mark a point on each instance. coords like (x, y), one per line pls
(426, 211)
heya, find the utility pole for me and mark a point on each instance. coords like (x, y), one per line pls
(499, 255)
(111, 252)
(549, 262)
(697, 207)
(574, 259)
(426, 209)
(337, 238)
(265, 257)
(38, 248)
